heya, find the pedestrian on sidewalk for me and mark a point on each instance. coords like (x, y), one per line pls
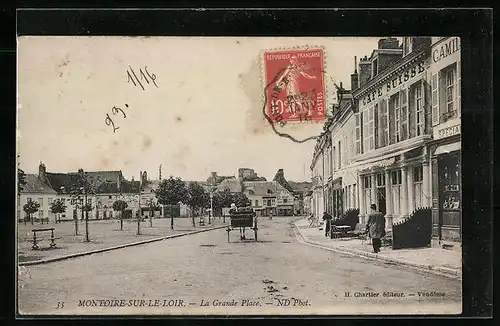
(328, 220)
(376, 227)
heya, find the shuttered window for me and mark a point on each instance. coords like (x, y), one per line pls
(382, 127)
(419, 109)
(368, 129)
(404, 115)
(435, 99)
(359, 123)
(397, 119)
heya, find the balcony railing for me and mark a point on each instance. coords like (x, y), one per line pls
(448, 116)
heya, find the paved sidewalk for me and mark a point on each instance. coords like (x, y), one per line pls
(434, 260)
(104, 235)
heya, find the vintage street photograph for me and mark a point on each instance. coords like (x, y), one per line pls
(238, 176)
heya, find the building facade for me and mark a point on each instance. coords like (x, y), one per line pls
(445, 152)
(393, 140)
(393, 129)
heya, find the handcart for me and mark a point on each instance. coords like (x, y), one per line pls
(242, 219)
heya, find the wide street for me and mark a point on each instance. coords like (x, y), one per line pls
(204, 274)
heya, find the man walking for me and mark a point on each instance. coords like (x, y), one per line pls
(376, 227)
(328, 219)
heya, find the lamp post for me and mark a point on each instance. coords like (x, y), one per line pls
(85, 207)
(139, 214)
(211, 205)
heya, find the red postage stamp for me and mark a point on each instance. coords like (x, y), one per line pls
(295, 88)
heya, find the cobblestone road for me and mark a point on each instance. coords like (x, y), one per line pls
(203, 274)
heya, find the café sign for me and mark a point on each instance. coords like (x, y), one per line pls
(445, 49)
(396, 81)
(450, 131)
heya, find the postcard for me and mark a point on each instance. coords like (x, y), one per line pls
(238, 176)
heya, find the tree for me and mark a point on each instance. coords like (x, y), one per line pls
(58, 207)
(120, 206)
(240, 199)
(172, 191)
(31, 207)
(197, 198)
(21, 180)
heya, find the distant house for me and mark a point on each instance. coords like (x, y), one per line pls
(298, 189)
(38, 190)
(269, 197)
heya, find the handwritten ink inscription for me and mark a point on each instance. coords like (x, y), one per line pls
(141, 77)
(115, 110)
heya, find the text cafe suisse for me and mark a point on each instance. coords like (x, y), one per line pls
(396, 81)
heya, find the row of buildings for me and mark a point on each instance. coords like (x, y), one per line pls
(276, 197)
(393, 139)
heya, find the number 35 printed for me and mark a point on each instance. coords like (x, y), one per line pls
(60, 305)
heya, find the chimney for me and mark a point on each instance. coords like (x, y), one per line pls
(144, 177)
(388, 43)
(365, 71)
(42, 172)
(354, 76)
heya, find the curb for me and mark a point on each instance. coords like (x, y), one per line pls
(86, 253)
(442, 271)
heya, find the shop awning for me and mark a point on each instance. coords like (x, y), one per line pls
(448, 148)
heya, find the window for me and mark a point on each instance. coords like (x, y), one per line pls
(73, 201)
(285, 200)
(381, 180)
(396, 177)
(396, 191)
(359, 123)
(256, 202)
(397, 115)
(273, 202)
(450, 90)
(334, 158)
(375, 67)
(110, 197)
(269, 191)
(367, 181)
(419, 115)
(355, 195)
(418, 173)
(89, 201)
(49, 201)
(40, 201)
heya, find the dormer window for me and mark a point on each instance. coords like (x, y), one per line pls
(269, 191)
(374, 68)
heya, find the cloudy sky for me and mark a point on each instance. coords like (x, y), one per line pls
(205, 115)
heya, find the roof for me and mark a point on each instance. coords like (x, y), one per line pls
(300, 186)
(234, 185)
(261, 188)
(101, 181)
(36, 185)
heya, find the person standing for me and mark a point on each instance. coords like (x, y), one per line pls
(328, 220)
(376, 227)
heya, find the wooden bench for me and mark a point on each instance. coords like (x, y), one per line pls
(36, 240)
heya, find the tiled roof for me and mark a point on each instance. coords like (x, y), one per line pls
(36, 185)
(300, 186)
(261, 188)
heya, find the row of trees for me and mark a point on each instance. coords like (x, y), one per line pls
(171, 191)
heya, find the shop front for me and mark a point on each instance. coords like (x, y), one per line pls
(337, 198)
(447, 193)
(285, 210)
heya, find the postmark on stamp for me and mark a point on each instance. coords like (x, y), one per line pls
(295, 88)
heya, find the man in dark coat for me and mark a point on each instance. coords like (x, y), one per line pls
(376, 227)
(328, 219)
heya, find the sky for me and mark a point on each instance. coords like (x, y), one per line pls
(203, 115)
